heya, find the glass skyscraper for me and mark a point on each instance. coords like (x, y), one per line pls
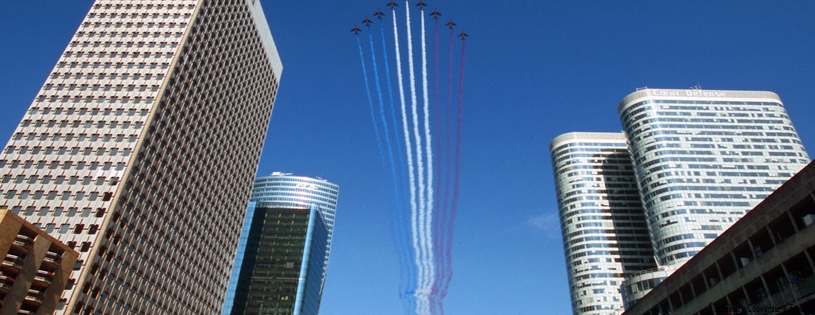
(703, 158)
(284, 190)
(605, 237)
(282, 260)
(140, 150)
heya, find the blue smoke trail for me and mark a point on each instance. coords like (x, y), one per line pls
(398, 188)
(370, 102)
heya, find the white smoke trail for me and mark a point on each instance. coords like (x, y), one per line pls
(408, 145)
(429, 207)
(421, 291)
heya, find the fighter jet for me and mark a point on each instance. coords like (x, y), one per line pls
(450, 24)
(421, 5)
(355, 30)
(366, 21)
(393, 5)
(435, 14)
(379, 14)
(463, 35)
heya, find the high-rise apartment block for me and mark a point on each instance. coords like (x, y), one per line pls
(140, 151)
(604, 232)
(35, 268)
(285, 191)
(701, 159)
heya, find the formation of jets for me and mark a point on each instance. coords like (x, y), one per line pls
(421, 6)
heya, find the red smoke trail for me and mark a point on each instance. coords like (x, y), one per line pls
(454, 205)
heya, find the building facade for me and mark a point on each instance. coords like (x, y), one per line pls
(286, 191)
(703, 158)
(762, 265)
(141, 148)
(36, 267)
(282, 263)
(605, 237)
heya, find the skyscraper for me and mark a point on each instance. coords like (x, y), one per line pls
(605, 237)
(701, 159)
(282, 263)
(142, 146)
(285, 191)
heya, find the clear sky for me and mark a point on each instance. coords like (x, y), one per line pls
(534, 70)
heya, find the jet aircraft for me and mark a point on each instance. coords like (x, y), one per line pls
(379, 14)
(366, 21)
(421, 5)
(450, 24)
(463, 35)
(355, 30)
(435, 14)
(393, 5)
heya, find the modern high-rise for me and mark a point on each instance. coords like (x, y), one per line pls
(282, 263)
(605, 237)
(286, 191)
(701, 159)
(141, 148)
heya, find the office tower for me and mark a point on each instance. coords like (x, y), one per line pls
(703, 158)
(144, 141)
(35, 267)
(282, 263)
(285, 191)
(605, 237)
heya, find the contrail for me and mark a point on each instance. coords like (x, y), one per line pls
(408, 144)
(438, 227)
(458, 166)
(428, 150)
(405, 252)
(370, 102)
(421, 236)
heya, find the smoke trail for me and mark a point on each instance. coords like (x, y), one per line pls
(408, 144)
(370, 102)
(438, 227)
(428, 150)
(458, 168)
(404, 251)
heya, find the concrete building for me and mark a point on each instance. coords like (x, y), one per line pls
(282, 263)
(605, 237)
(762, 264)
(141, 148)
(286, 191)
(35, 270)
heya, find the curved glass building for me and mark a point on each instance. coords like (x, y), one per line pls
(605, 237)
(703, 158)
(285, 191)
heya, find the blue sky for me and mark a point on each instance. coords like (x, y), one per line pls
(535, 69)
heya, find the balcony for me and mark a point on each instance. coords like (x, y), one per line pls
(6, 283)
(13, 262)
(44, 277)
(35, 296)
(52, 258)
(23, 243)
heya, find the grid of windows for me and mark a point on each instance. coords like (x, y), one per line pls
(281, 190)
(151, 108)
(604, 234)
(703, 159)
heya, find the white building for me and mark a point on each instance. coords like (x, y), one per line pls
(605, 237)
(141, 148)
(703, 158)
